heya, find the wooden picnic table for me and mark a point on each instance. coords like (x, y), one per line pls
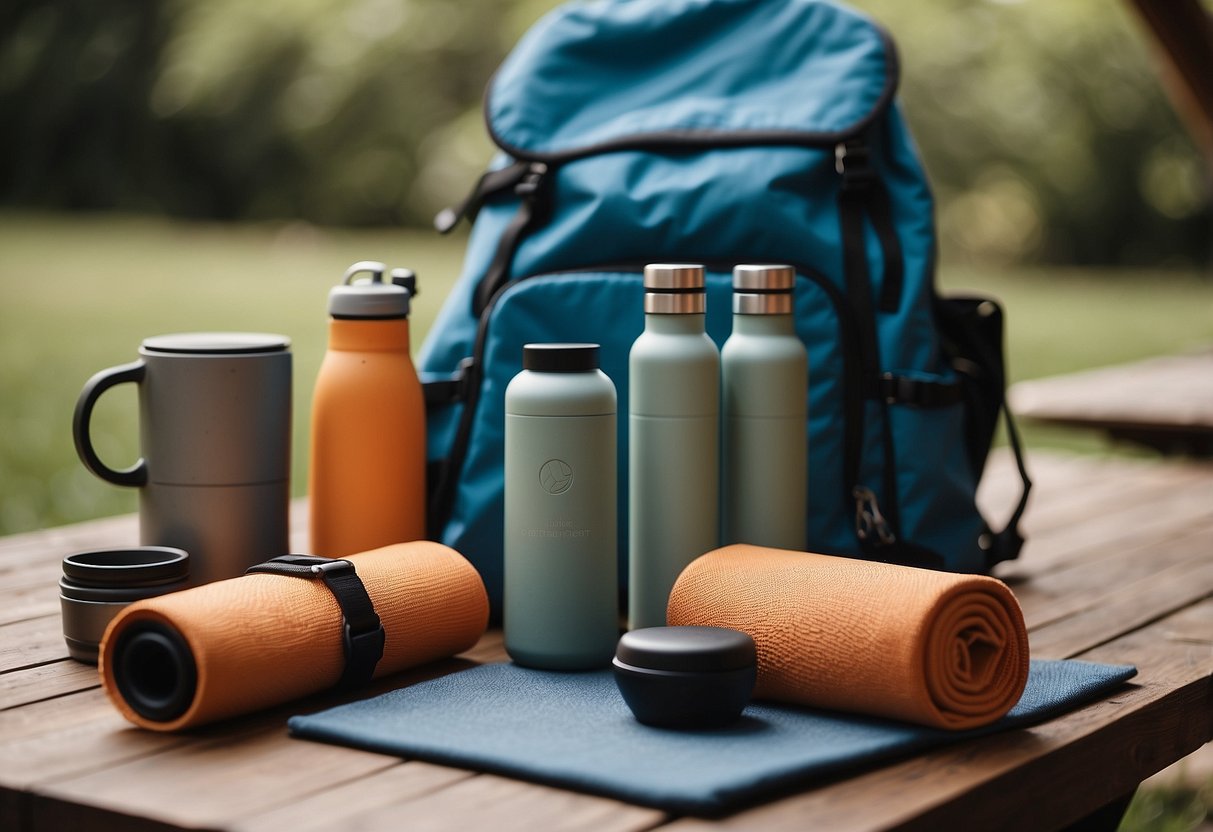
(1118, 569)
(1165, 403)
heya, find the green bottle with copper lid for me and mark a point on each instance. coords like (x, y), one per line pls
(673, 440)
(764, 401)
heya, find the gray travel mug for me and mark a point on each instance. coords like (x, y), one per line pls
(215, 434)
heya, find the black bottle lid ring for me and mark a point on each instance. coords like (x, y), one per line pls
(560, 358)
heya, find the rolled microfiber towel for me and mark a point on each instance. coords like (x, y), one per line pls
(934, 648)
(247, 643)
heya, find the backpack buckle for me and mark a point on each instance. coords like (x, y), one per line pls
(449, 389)
(490, 183)
(895, 389)
(528, 186)
(851, 162)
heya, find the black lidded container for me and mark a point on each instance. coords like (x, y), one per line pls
(686, 677)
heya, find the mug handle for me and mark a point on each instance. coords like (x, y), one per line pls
(136, 475)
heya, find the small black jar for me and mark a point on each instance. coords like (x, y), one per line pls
(686, 677)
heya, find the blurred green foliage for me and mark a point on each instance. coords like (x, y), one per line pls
(1174, 808)
(1047, 134)
(1043, 124)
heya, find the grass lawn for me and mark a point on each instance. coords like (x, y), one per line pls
(78, 293)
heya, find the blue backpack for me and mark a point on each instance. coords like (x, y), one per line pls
(722, 132)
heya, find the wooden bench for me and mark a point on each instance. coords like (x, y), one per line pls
(1164, 403)
(1117, 569)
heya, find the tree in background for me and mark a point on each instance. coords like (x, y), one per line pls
(75, 77)
(1041, 122)
(1047, 135)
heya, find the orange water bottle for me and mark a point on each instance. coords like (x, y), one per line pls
(367, 477)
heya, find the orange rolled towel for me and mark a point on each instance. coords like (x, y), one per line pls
(247, 643)
(935, 648)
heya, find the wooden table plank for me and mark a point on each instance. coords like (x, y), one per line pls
(31, 643)
(34, 684)
(1126, 608)
(37, 599)
(1134, 521)
(68, 749)
(193, 784)
(50, 545)
(1082, 586)
(1109, 486)
(1164, 402)
(504, 805)
(358, 804)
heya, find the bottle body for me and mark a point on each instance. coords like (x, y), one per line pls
(561, 573)
(764, 390)
(673, 458)
(367, 475)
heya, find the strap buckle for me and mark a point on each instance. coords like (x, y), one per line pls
(491, 182)
(851, 163)
(331, 566)
(449, 389)
(529, 185)
(362, 634)
(363, 650)
(916, 392)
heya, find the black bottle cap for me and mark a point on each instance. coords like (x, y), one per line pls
(560, 358)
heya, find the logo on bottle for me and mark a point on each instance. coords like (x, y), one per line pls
(555, 476)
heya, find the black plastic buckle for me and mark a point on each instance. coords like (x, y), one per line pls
(489, 183)
(453, 388)
(363, 650)
(529, 184)
(363, 637)
(851, 162)
(915, 392)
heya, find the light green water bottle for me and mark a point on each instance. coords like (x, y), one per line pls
(673, 440)
(561, 603)
(764, 397)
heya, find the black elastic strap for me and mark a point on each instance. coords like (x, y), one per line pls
(880, 211)
(855, 272)
(916, 392)
(363, 637)
(1006, 544)
(853, 197)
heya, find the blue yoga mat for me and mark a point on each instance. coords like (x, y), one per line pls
(573, 730)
